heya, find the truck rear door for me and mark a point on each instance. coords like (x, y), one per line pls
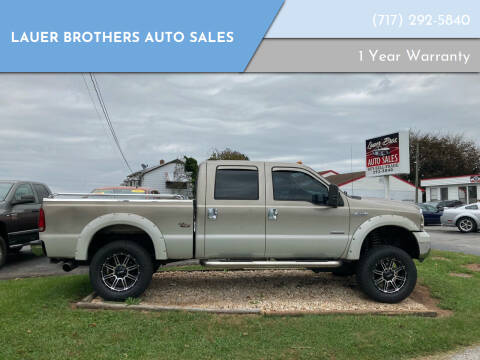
(299, 226)
(235, 210)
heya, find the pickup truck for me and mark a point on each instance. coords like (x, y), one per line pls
(20, 203)
(249, 215)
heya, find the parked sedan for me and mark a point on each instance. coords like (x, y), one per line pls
(466, 218)
(431, 214)
(446, 204)
(124, 190)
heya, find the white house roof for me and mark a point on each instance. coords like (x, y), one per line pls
(452, 180)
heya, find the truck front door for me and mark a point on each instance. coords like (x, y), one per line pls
(24, 216)
(299, 223)
(235, 211)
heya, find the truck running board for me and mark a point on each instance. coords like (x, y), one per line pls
(270, 264)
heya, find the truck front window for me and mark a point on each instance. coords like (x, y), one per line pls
(297, 186)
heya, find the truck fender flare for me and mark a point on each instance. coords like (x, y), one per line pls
(353, 252)
(97, 224)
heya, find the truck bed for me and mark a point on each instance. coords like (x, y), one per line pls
(68, 220)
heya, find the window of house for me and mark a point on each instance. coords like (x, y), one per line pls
(462, 194)
(472, 194)
(236, 184)
(297, 186)
(434, 194)
(444, 193)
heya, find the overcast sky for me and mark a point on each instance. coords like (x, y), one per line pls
(50, 131)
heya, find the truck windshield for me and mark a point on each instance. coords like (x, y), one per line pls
(4, 189)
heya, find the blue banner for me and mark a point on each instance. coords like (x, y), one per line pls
(132, 36)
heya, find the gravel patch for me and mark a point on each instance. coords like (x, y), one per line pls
(473, 267)
(460, 275)
(271, 291)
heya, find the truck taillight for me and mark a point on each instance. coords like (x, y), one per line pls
(41, 220)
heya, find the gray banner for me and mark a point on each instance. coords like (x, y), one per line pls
(366, 55)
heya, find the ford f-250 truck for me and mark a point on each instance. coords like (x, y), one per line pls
(246, 215)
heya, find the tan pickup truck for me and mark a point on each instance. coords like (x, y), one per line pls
(246, 214)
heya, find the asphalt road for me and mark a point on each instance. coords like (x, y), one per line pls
(26, 264)
(451, 239)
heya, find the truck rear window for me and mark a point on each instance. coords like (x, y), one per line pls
(236, 184)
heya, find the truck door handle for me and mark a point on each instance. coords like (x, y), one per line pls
(212, 213)
(272, 214)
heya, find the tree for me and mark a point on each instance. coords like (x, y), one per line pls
(191, 166)
(227, 154)
(443, 155)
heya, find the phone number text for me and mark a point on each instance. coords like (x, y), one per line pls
(416, 20)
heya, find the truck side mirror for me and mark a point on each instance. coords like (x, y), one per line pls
(333, 195)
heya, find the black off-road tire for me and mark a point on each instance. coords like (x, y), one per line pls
(100, 271)
(371, 283)
(466, 225)
(3, 251)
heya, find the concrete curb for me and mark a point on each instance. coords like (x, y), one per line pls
(87, 303)
(156, 308)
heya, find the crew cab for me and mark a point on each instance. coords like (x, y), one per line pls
(246, 214)
(20, 203)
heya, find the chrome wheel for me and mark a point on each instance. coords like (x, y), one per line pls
(465, 225)
(389, 275)
(120, 272)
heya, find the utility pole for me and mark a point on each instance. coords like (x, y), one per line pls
(417, 165)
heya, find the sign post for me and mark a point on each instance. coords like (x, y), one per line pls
(388, 155)
(386, 182)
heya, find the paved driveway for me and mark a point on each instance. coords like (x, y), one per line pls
(26, 264)
(451, 239)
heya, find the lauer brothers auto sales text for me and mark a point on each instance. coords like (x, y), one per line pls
(122, 37)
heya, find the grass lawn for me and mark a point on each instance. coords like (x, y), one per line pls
(37, 322)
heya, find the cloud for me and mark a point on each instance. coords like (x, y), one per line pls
(50, 131)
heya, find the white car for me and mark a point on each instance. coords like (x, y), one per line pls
(466, 217)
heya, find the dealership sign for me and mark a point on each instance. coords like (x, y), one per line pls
(388, 154)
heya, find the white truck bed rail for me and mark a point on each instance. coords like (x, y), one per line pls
(119, 196)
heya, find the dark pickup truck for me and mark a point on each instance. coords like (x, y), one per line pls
(20, 203)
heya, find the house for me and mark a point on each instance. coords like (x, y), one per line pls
(327, 173)
(358, 184)
(166, 177)
(464, 188)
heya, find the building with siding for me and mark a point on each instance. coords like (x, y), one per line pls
(166, 177)
(464, 188)
(358, 184)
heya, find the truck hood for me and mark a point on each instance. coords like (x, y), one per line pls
(379, 207)
(388, 205)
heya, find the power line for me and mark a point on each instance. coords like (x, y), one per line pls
(96, 87)
(94, 104)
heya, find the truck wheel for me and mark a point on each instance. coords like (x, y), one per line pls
(466, 225)
(387, 274)
(121, 269)
(3, 252)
